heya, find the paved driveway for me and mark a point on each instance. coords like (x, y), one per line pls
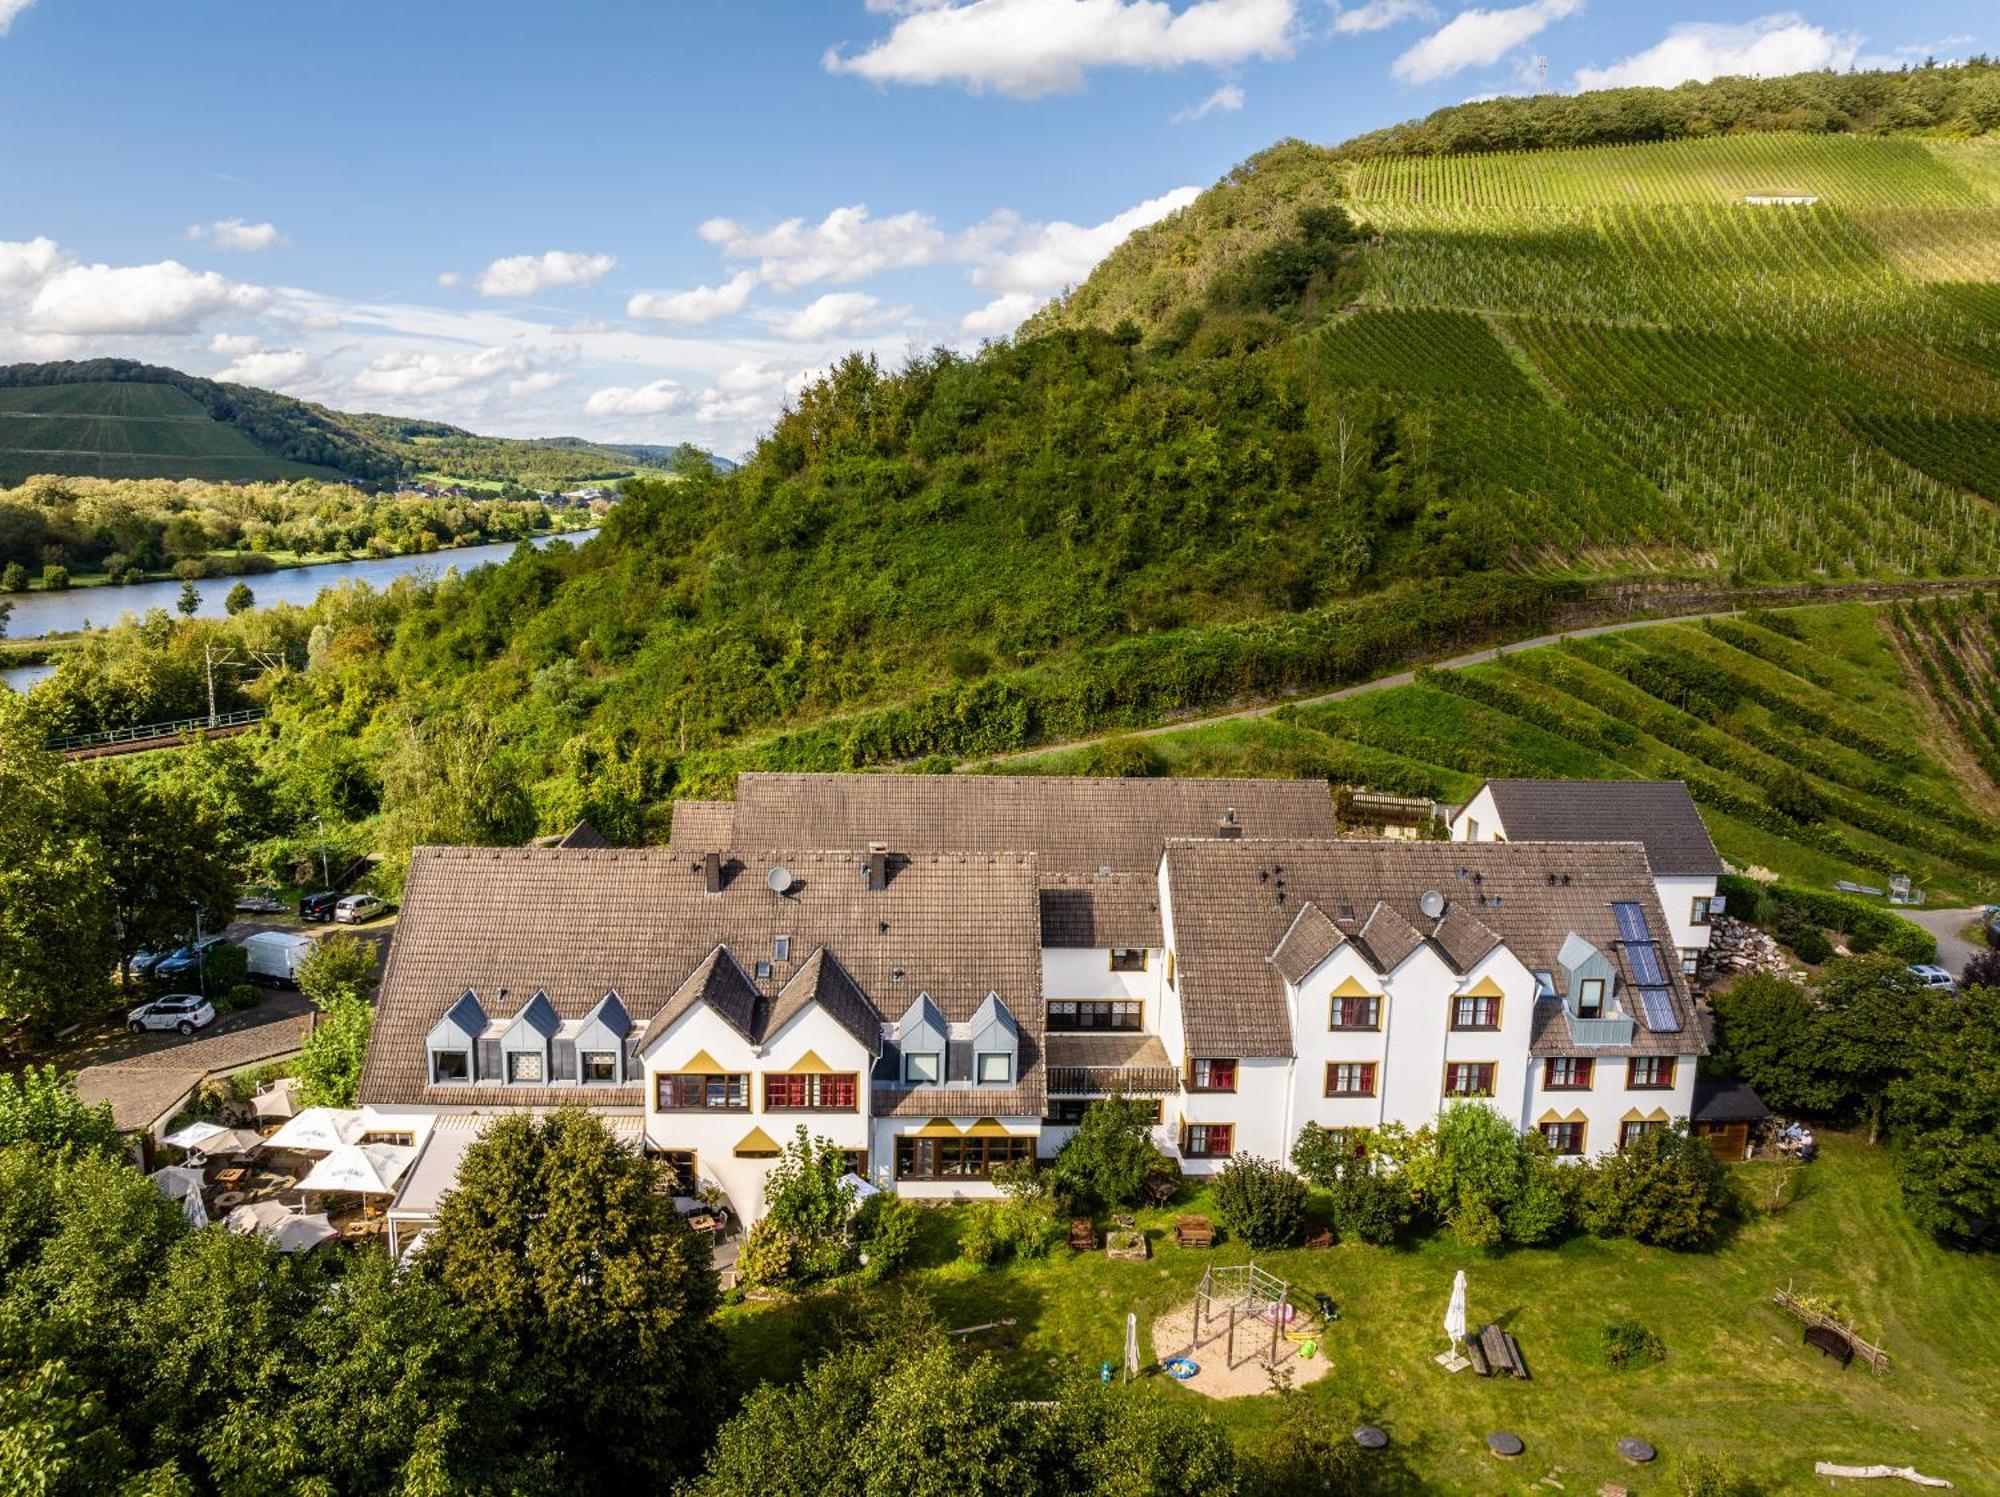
(1954, 951)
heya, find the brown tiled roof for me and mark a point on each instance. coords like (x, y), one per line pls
(1107, 1051)
(702, 825)
(1463, 937)
(824, 981)
(1658, 813)
(720, 982)
(1101, 909)
(1228, 921)
(1071, 823)
(577, 924)
(143, 1088)
(1311, 940)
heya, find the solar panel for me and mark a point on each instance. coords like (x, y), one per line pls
(1658, 1004)
(1631, 920)
(1645, 959)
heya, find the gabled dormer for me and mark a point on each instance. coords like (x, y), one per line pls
(453, 1042)
(921, 1037)
(599, 1043)
(1590, 997)
(525, 1044)
(996, 1044)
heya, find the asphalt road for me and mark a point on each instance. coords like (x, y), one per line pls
(1954, 951)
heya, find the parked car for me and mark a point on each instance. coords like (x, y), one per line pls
(259, 899)
(1993, 929)
(318, 906)
(186, 963)
(1934, 977)
(183, 1013)
(147, 958)
(275, 956)
(358, 909)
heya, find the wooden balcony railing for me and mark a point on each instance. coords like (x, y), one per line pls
(1099, 1081)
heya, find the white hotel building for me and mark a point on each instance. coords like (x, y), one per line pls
(939, 973)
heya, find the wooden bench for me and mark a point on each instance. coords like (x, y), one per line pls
(1194, 1231)
(1082, 1235)
(1500, 1351)
(1319, 1236)
(1830, 1342)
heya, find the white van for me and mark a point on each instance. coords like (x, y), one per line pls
(275, 956)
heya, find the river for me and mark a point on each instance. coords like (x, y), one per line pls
(41, 613)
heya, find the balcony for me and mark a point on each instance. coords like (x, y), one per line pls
(1095, 1065)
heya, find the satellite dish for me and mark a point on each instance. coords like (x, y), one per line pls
(780, 880)
(1432, 904)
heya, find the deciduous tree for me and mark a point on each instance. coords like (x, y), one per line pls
(1945, 1112)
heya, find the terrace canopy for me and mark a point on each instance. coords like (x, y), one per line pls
(279, 1100)
(318, 1130)
(360, 1169)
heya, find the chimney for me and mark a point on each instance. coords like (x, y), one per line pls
(711, 873)
(1229, 826)
(878, 867)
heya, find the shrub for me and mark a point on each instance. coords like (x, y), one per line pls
(979, 1233)
(1371, 1206)
(805, 1204)
(1667, 1188)
(1807, 942)
(765, 1259)
(1983, 971)
(1261, 1201)
(14, 579)
(1029, 1229)
(1628, 1344)
(886, 1227)
(1708, 1476)
(240, 996)
(1111, 1156)
(55, 577)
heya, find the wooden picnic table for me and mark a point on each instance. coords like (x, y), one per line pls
(1194, 1231)
(235, 1175)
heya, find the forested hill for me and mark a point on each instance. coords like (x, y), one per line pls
(1349, 407)
(114, 418)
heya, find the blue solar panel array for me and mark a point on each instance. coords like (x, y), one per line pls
(1656, 999)
(1659, 1006)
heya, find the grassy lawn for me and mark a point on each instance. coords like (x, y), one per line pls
(1737, 1381)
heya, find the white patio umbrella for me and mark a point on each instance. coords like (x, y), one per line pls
(1454, 1315)
(360, 1169)
(858, 1190)
(301, 1234)
(194, 1136)
(318, 1130)
(279, 1100)
(229, 1141)
(183, 1183)
(258, 1216)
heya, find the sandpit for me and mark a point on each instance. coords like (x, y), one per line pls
(1173, 1336)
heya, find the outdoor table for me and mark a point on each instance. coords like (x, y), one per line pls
(233, 1176)
(701, 1221)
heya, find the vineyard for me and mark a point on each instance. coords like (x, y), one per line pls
(127, 430)
(1806, 735)
(1648, 371)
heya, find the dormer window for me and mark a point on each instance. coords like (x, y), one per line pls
(995, 1068)
(600, 1066)
(1590, 998)
(451, 1065)
(922, 1067)
(524, 1067)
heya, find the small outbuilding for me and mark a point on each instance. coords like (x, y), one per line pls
(1727, 1114)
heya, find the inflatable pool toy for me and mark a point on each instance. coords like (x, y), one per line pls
(1182, 1368)
(1308, 1350)
(1281, 1313)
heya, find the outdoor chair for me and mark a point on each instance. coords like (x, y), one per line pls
(1082, 1235)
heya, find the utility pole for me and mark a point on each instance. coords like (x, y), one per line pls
(227, 657)
(200, 956)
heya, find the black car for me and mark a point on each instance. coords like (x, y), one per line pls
(319, 906)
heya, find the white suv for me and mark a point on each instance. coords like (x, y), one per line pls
(359, 909)
(183, 1013)
(1934, 977)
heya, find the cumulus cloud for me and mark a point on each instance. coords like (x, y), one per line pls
(232, 345)
(1013, 255)
(846, 245)
(836, 312)
(1379, 15)
(449, 279)
(10, 9)
(28, 262)
(273, 368)
(751, 376)
(413, 374)
(693, 307)
(1478, 38)
(524, 275)
(1767, 47)
(1225, 100)
(235, 234)
(653, 399)
(163, 298)
(1028, 48)
(1000, 316)
(538, 383)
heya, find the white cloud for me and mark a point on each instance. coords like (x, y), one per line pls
(836, 312)
(538, 383)
(846, 245)
(1767, 47)
(653, 399)
(1478, 38)
(449, 279)
(1027, 48)
(235, 234)
(751, 376)
(1000, 316)
(1225, 100)
(1379, 15)
(694, 307)
(163, 298)
(273, 368)
(10, 9)
(233, 345)
(524, 275)
(28, 262)
(1011, 255)
(414, 375)
(1944, 46)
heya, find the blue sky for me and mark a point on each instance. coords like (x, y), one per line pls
(649, 220)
